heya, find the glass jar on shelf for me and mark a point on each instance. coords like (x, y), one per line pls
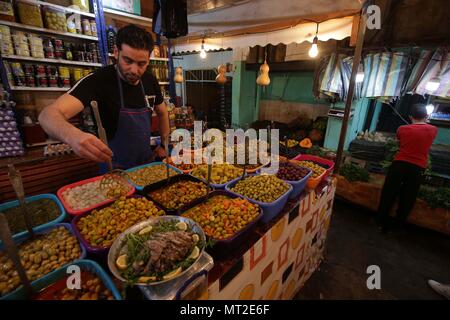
(55, 19)
(7, 10)
(18, 74)
(83, 5)
(30, 14)
(68, 51)
(86, 26)
(49, 49)
(36, 46)
(93, 27)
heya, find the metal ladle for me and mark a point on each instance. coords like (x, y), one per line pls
(13, 253)
(166, 148)
(16, 181)
(114, 176)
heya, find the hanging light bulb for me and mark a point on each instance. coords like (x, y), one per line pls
(433, 84)
(202, 50)
(430, 109)
(314, 51)
(360, 74)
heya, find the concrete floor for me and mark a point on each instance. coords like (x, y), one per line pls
(406, 261)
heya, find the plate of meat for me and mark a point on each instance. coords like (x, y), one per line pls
(157, 250)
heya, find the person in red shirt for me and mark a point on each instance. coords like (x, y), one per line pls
(405, 174)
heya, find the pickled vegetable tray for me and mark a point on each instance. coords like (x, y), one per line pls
(163, 184)
(75, 212)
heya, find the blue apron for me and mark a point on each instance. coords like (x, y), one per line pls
(131, 143)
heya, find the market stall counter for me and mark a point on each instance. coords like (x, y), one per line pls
(278, 257)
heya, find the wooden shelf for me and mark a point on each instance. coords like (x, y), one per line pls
(40, 144)
(46, 31)
(55, 89)
(57, 61)
(65, 9)
(128, 17)
(151, 59)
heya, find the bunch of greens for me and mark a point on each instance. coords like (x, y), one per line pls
(436, 198)
(354, 173)
(320, 124)
(391, 150)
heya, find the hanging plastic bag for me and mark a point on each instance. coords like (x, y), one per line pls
(170, 18)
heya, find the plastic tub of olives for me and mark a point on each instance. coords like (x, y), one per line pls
(119, 248)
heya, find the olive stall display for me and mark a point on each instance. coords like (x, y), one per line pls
(179, 194)
(151, 174)
(291, 172)
(39, 256)
(101, 227)
(262, 188)
(41, 212)
(91, 288)
(315, 168)
(221, 217)
(90, 194)
(220, 173)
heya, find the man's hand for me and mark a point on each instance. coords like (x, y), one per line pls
(160, 152)
(89, 146)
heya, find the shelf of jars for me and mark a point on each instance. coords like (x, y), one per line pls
(47, 60)
(54, 89)
(47, 31)
(56, 6)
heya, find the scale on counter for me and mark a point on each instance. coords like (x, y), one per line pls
(191, 286)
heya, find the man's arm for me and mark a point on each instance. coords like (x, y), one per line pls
(163, 120)
(54, 120)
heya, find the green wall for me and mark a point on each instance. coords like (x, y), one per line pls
(245, 102)
(291, 86)
(285, 86)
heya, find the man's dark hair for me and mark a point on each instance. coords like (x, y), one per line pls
(135, 37)
(418, 111)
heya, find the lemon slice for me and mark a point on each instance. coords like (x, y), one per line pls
(145, 230)
(195, 253)
(195, 238)
(181, 225)
(121, 262)
(173, 274)
(147, 279)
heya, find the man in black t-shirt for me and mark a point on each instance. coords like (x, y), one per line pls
(125, 95)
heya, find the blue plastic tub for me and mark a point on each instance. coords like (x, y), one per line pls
(297, 186)
(270, 209)
(20, 292)
(12, 204)
(61, 273)
(140, 188)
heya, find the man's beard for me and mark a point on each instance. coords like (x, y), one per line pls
(132, 79)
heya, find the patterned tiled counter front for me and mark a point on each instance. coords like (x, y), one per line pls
(278, 258)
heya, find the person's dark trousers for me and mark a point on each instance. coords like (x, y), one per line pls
(403, 180)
